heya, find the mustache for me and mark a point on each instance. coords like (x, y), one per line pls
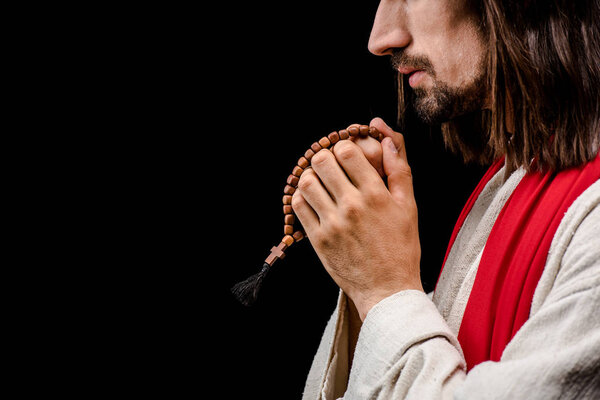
(400, 58)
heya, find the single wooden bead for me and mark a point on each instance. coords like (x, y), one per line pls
(289, 219)
(298, 236)
(288, 229)
(288, 189)
(380, 137)
(324, 142)
(287, 240)
(287, 209)
(373, 132)
(287, 199)
(363, 130)
(297, 171)
(344, 134)
(353, 131)
(316, 147)
(303, 162)
(309, 154)
(292, 180)
(333, 137)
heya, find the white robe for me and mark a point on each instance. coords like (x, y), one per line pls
(408, 347)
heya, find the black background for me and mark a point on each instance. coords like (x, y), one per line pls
(235, 96)
(291, 77)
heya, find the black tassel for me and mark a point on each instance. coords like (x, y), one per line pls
(247, 291)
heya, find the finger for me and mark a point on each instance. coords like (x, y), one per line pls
(399, 176)
(355, 164)
(331, 174)
(396, 137)
(305, 213)
(372, 150)
(315, 194)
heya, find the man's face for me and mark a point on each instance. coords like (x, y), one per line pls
(439, 46)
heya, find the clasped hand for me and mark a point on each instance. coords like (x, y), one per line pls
(365, 232)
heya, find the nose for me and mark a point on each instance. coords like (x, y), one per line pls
(389, 30)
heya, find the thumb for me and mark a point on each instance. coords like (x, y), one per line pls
(396, 137)
(397, 170)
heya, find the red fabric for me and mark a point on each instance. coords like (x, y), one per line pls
(515, 256)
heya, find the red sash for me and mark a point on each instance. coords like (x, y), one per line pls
(515, 256)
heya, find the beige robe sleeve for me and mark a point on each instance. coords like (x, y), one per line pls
(406, 350)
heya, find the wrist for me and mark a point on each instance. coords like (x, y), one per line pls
(364, 302)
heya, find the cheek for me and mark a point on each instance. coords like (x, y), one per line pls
(448, 36)
(471, 54)
(459, 63)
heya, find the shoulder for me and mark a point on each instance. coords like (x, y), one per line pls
(574, 257)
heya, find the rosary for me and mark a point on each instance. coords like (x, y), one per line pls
(247, 291)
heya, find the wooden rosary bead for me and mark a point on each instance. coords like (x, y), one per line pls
(309, 154)
(324, 142)
(287, 240)
(303, 163)
(373, 132)
(298, 236)
(292, 180)
(316, 147)
(333, 137)
(297, 171)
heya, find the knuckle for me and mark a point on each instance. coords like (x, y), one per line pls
(320, 158)
(307, 180)
(352, 210)
(321, 239)
(345, 150)
(406, 171)
(334, 228)
(373, 197)
(297, 201)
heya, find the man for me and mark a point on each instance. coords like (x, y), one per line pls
(515, 310)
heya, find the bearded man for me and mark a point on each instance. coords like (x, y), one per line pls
(515, 310)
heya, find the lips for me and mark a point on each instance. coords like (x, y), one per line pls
(407, 70)
(414, 75)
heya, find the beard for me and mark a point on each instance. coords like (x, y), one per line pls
(441, 103)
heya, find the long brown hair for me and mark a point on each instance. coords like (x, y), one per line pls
(543, 68)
